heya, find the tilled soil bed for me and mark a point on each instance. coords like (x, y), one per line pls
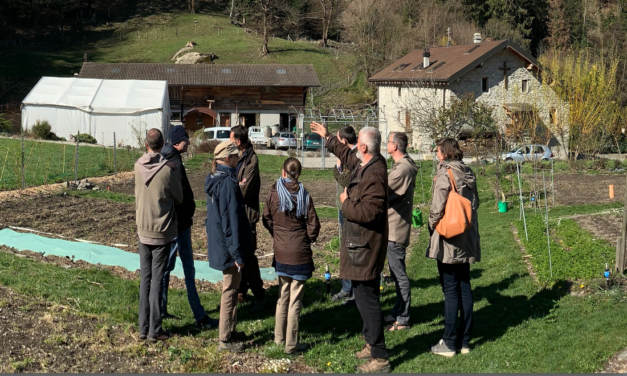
(580, 189)
(322, 191)
(110, 223)
(607, 227)
(38, 336)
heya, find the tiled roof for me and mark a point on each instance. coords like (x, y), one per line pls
(446, 64)
(301, 75)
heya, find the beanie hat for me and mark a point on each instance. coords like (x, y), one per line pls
(225, 149)
(178, 134)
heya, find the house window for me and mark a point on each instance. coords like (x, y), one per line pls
(485, 84)
(399, 116)
(525, 86)
(270, 90)
(399, 91)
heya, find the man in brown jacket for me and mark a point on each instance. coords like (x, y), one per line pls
(365, 236)
(401, 183)
(247, 171)
(157, 190)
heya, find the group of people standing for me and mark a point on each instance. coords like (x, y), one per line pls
(375, 212)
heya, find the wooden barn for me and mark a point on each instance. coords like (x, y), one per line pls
(261, 94)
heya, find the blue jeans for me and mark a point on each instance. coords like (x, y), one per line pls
(183, 246)
(347, 286)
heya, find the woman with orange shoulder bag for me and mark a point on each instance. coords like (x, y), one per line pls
(454, 244)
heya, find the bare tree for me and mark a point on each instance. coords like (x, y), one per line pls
(328, 8)
(191, 4)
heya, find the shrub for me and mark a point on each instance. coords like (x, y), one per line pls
(42, 129)
(5, 125)
(207, 147)
(85, 138)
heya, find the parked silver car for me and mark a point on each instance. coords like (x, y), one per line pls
(284, 140)
(529, 153)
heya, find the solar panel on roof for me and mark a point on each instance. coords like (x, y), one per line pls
(437, 66)
(170, 70)
(226, 70)
(281, 71)
(472, 49)
(115, 70)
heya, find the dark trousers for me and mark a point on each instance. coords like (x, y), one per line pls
(251, 275)
(152, 264)
(455, 281)
(367, 295)
(396, 261)
(183, 246)
(347, 287)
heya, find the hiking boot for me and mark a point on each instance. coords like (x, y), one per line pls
(375, 365)
(207, 323)
(441, 349)
(258, 306)
(143, 336)
(164, 335)
(231, 346)
(339, 296)
(364, 353)
(299, 348)
(350, 302)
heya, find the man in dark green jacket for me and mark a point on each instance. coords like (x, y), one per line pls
(247, 172)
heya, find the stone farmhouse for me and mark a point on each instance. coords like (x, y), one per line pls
(498, 73)
(209, 95)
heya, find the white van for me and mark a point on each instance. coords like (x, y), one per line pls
(256, 136)
(218, 133)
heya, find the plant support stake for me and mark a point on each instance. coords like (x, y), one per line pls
(522, 207)
(548, 236)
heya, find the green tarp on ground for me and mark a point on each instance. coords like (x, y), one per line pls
(102, 254)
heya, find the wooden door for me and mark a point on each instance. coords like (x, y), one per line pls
(225, 120)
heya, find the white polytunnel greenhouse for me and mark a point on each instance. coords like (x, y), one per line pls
(99, 108)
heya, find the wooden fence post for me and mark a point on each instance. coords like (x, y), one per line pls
(23, 180)
(78, 133)
(115, 166)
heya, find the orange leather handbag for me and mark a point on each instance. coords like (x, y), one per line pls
(457, 213)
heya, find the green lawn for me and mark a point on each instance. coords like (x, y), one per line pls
(156, 38)
(46, 163)
(519, 326)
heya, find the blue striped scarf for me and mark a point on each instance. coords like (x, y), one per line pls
(286, 199)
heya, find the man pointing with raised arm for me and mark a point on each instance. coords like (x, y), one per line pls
(364, 235)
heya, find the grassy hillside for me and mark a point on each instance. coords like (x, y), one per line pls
(156, 38)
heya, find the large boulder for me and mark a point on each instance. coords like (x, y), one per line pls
(194, 58)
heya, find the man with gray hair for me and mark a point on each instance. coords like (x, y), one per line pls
(364, 236)
(401, 183)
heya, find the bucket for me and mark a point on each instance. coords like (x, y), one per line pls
(502, 206)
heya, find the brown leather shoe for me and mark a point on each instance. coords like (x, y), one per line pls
(375, 366)
(364, 353)
(240, 298)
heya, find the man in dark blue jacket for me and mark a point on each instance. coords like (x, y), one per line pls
(179, 141)
(228, 237)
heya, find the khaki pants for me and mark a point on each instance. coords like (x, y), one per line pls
(228, 302)
(287, 312)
